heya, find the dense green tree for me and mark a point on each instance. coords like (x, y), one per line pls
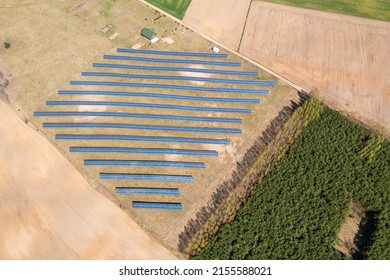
(297, 210)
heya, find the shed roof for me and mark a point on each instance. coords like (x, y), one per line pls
(147, 32)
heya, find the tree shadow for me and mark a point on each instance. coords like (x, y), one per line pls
(364, 236)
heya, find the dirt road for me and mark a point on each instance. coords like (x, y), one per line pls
(48, 210)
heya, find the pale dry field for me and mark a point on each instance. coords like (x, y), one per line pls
(222, 20)
(53, 41)
(346, 58)
(48, 210)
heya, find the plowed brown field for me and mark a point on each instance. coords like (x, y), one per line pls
(346, 58)
(48, 210)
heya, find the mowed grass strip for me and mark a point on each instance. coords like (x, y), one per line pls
(373, 9)
(177, 8)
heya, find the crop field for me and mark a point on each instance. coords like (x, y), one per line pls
(46, 203)
(174, 7)
(373, 9)
(161, 118)
(298, 208)
(345, 58)
(222, 20)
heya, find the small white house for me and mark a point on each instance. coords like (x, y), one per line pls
(155, 40)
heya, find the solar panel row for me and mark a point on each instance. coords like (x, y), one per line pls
(143, 127)
(143, 151)
(196, 54)
(175, 69)
(177, 78)
(135, 115)
(111, 162)
(142, 138)
(166, 191)
(149, 105)
(166, 86)
(151, 177)
(171, 60)
(162, 96)
(157, 205)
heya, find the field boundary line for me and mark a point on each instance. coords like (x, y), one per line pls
(243, 29)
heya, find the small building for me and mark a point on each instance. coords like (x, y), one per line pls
(113, 36)
(147, 33)
(155, 40)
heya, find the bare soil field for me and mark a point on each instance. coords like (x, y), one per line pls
(48, 210)
(346, 58)
(222, 20)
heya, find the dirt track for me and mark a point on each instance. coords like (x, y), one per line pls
(48, 210)
(346, 58)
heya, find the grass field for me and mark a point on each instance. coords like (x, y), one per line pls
(374, 9)
(298, 208)
(163, 222)
(174, 7)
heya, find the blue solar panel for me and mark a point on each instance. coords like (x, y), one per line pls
(171, 60)
(162, 96)
(157, 205)
(177, 78)
(175, 69)
(163, 191)
(143, 151)
(149, 177)
(165, 86)
(144, 127)
(136, 115)
(150, 105)
(112, 162)
(167, 139)
(196, 54)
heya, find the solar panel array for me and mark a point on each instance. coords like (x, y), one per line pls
(160, 72)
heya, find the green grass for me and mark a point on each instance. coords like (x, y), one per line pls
(106, 7)
(177, 8)
(298, 208)
(373, 9)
